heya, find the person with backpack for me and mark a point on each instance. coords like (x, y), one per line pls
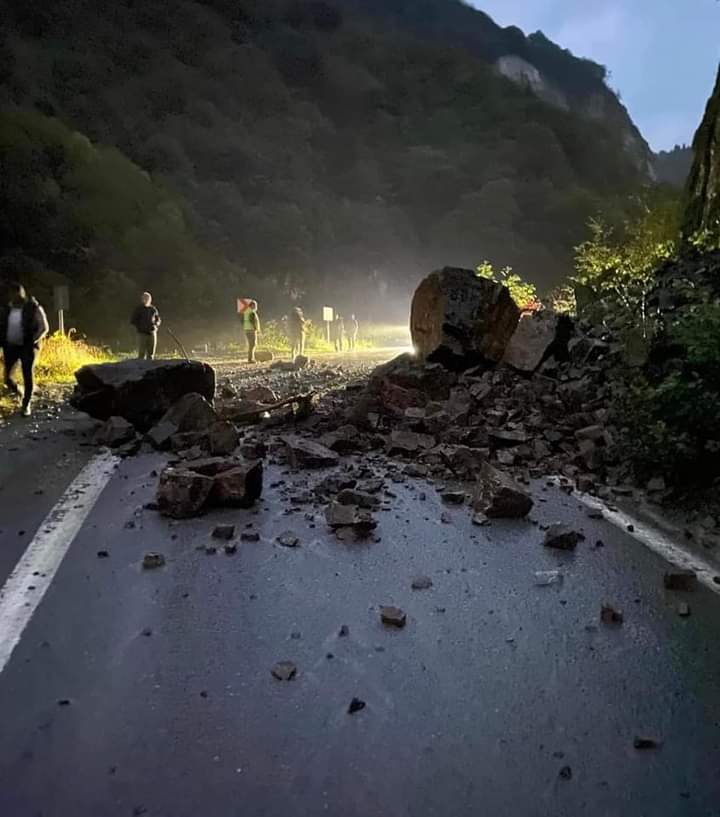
(146, 320)
(251, 327)
(23, 325)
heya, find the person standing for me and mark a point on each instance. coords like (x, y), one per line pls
(146, 320)
(339, 333)
(296, 330)
(251, 327)
(353, 330)
(23, 325)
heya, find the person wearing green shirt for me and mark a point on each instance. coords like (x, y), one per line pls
(251, 327)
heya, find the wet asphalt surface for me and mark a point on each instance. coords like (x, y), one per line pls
(499, 697)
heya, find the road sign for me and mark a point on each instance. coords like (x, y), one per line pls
(61, 298)
(328, 314)
(243, 304)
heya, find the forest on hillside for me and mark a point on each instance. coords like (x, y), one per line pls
(290, 150)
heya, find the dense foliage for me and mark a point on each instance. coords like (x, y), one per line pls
(326, 150)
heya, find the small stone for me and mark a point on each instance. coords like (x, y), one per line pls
(393, 616)
(480, 520)
(64, 702)
(288, 539)
(561, 537)
(210, 550)
(344, 631)
(230, 550)
(594, 513)
(422, 583)
(147, 632)
(153, 560)
(565, 773)
(609, 615)
(631, 528)
(453, 497)
(685, 580)
(646, 743)
(250, 536)
(356, 705)
(224, 532)
(284, 671)
(103, 554)
(683, 610)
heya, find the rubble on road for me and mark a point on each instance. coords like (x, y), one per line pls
(684, 580)
(609, 615)
(338, 515)
(152, 561)
(303, 453)
(140, 391)
(393, 616)
(116, 431)
(186, 490)
(498, 496)
(284, 671)
(562, 537)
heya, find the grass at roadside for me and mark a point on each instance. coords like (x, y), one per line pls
(59, 360)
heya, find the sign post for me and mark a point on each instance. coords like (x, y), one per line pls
(328, 317)
(61, 298)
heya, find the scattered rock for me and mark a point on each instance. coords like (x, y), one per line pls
(288, 539)
(308, 454)
(565, 773)
(562, 537)
(224, 532)
(284, 671)
(230, 549)
(239, 486)
(350, 496)
(498, 496)
(151, 561)
(182, 493)
(249, 536)
(609, 615)
(344, 516)
(222, 438)
(646, 743)
(683, 609)
(103, 554)
(422, 583)
(115, 432)
(344, 631)
(684, 580)
(393, 616)
(356, 705)
(533, 336)
(453, 497)
(480, 520)
(409, 442)
(260, 394)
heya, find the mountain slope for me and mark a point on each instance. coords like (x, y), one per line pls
(342, 147)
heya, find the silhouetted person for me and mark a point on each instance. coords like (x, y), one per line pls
(296, 331)
(338, 332)
(352, 334)
(23, 325)
(251, 327)
(146, 320)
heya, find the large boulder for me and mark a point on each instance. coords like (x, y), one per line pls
(461, 320)
(498, 496)
(141, 391)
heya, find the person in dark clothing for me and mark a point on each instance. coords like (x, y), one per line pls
(352, 334)
(296, 332)
(23, 325)
(146, 320)
(339, 333)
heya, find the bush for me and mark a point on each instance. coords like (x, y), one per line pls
(61, 357)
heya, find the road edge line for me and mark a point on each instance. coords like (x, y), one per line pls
(42, 558)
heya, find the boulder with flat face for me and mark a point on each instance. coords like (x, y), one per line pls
(140, 391)
(461, 320)
(533, 337)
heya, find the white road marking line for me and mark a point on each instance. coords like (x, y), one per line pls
(656, 541)
(42, 558)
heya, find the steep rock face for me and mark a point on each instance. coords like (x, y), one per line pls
(703, 189)
(461, 320)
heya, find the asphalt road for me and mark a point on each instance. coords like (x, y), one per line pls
(499, 697)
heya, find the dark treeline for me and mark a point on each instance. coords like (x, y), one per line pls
(327, 151)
